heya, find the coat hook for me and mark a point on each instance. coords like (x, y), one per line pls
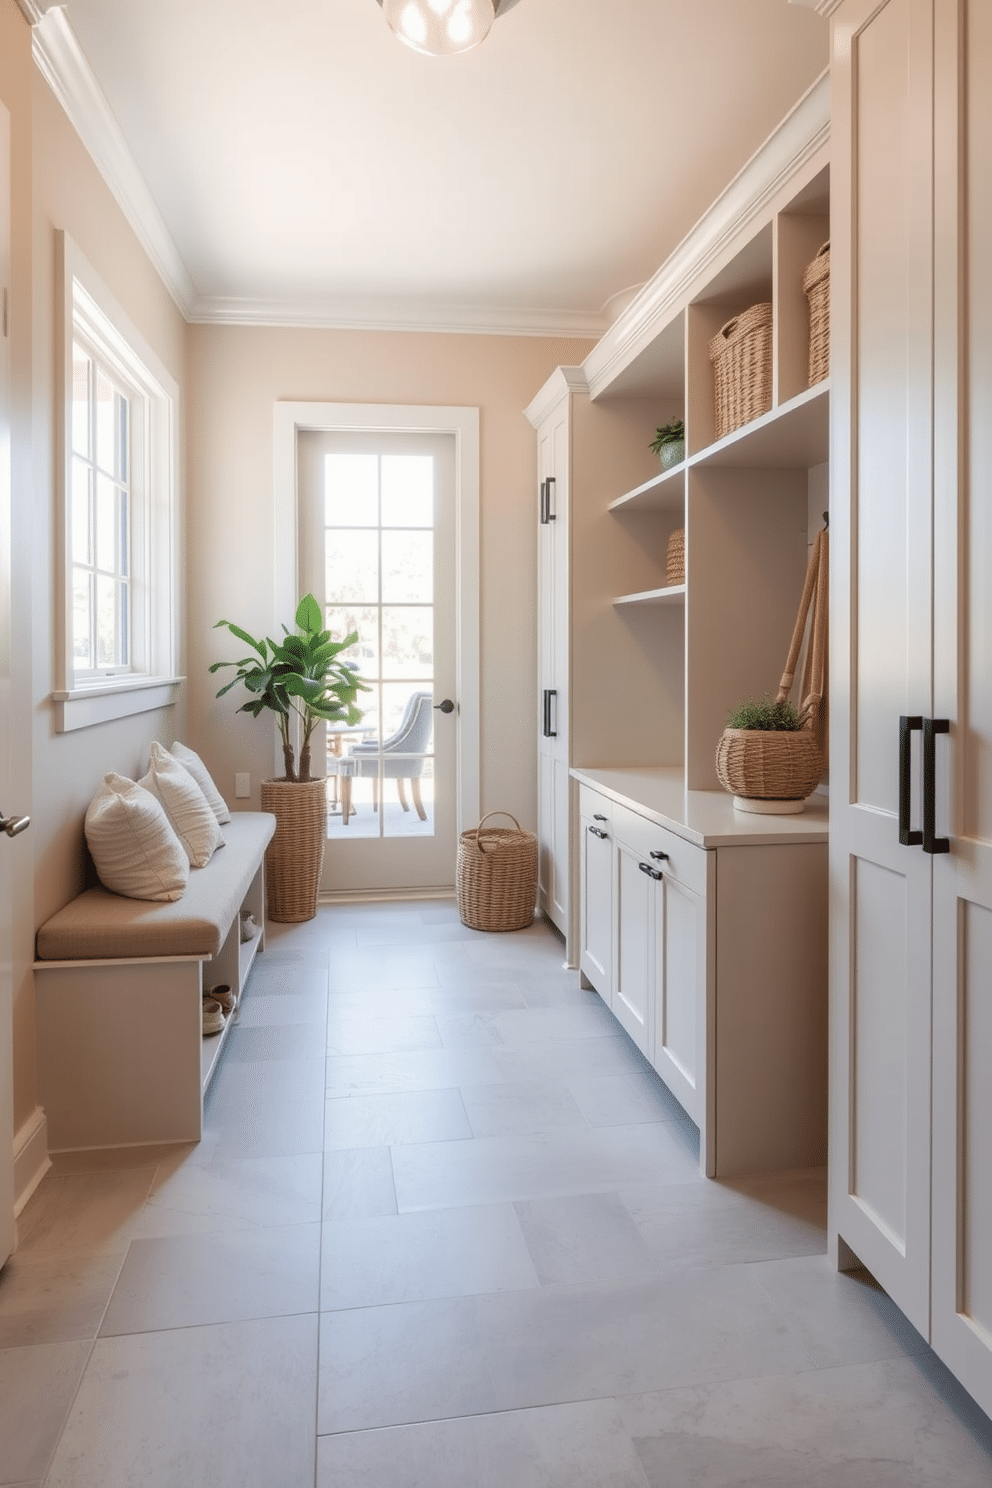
(826, 519)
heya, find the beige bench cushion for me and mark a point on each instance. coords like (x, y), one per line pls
(99, 925)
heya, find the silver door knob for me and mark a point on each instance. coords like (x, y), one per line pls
(13, 824)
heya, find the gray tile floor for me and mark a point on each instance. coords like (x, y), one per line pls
(446, 1229)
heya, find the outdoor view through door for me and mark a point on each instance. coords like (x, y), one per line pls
(377, 544)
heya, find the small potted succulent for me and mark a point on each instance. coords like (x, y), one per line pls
(769, 756)
(669, 443)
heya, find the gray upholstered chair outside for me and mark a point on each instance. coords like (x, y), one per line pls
(403, 753)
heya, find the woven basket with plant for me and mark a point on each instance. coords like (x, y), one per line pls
(771, 751)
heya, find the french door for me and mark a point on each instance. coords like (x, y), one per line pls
(6, 710)
(377, 548)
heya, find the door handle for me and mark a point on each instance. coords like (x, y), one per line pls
(446, 707)
(598, 832)
(651, 872)
(13, 825)
(549, 732)
(549, 484)
(907, 727)
(660, 857)
(931, 728)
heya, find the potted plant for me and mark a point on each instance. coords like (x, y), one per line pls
(769, 756)
(303, 682)
(669, 443)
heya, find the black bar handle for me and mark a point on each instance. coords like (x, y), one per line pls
(544, 502)
(651, 872)
(598, 832)
(660, 857)
(552, 696)
(550, 483)
(931, 728)
(598, 816)
(907, 726)
(546, 722)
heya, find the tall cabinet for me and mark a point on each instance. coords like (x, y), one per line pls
(911, 649)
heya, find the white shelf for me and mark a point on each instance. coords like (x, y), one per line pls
(666, 492)
(794, 436)
(674, 594)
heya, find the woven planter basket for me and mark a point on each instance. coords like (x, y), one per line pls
(741, 353)
(787, 765)
(496, 881)
(294, 857)
(816, 287)
(675, 558)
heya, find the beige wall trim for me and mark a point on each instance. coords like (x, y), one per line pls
(800, 135)
(62, 63)
(372, 313)
(463, 423)
(31, 1160)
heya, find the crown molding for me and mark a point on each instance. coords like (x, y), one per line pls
(800, 135)
(822, 7)
(35, 10)
(563, 380)
(62, 63)
(376, 313)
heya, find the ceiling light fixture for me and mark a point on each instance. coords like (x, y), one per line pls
(442, 28)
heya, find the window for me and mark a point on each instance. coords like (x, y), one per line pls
(117, 467)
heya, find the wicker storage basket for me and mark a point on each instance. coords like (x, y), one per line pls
(816, 287)
(294, 857)
(496, 880)
(741, 353)
(675, 557)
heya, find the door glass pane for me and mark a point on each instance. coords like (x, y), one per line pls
(352, 567)
(408, 641)
(341, 620)
(351, 491)
(407, 567)
(408, 491)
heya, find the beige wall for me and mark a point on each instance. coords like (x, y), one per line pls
(68, 192)
(236, 376)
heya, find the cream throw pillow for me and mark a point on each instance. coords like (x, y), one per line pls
(193, 763)
(135, 850)
(185, 805)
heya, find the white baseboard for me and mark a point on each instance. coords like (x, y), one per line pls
(31, 1160)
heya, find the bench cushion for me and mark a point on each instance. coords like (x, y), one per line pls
(99, 925)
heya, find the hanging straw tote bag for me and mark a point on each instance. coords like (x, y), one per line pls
(775, 770)
(496, 880)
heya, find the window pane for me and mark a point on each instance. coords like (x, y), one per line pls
(80, 401)
(352, 567)
(407, 567)
(81, 552)
(341, 620)
(408, 490)
(106, 524)
(106, 423)
(408, 641)
(82, 649)
(351, 491)
(106, 621)
(395, 697)
(124, 531)
(123, 420)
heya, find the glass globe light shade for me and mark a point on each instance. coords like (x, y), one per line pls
(440, 28)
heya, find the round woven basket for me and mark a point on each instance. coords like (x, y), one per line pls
(294, 857)
(772, 765)
(496, 880)
(675, 557)
(816, 287)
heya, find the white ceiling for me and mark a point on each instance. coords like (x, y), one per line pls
(307, 167)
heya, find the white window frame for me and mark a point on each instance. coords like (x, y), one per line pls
(86, 310)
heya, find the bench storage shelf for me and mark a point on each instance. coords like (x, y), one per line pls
(119, 984)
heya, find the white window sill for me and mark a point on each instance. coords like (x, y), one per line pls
(120, 698)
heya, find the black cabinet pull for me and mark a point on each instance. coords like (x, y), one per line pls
(660, 857)
(598, 832)
(549, 515)
(544, 502)
(907, 727)
(549, 732)
(598, 816)
(931, 728)
(651, 872)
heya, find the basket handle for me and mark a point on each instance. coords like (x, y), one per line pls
(726, 331)
(478, 830)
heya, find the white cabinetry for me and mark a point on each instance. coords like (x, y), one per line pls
(911, 836)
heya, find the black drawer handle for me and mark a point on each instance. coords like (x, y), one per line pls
(931, 728)
(660, 857)
(598, 816)
(651, 872)
(597, 832)
(907, 727)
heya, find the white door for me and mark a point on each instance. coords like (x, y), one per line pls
(962, 1010)
(553, 783)
(881, 641)
(377, 535)
(6, 804)
(638, 930)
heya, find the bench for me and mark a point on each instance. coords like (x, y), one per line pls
(118, 990)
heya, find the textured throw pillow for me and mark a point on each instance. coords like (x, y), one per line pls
(135, 850)
(193, 763)
(185, 805)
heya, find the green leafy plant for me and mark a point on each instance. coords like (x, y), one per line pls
(300, 677)
(768, 715)
(671, 433)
